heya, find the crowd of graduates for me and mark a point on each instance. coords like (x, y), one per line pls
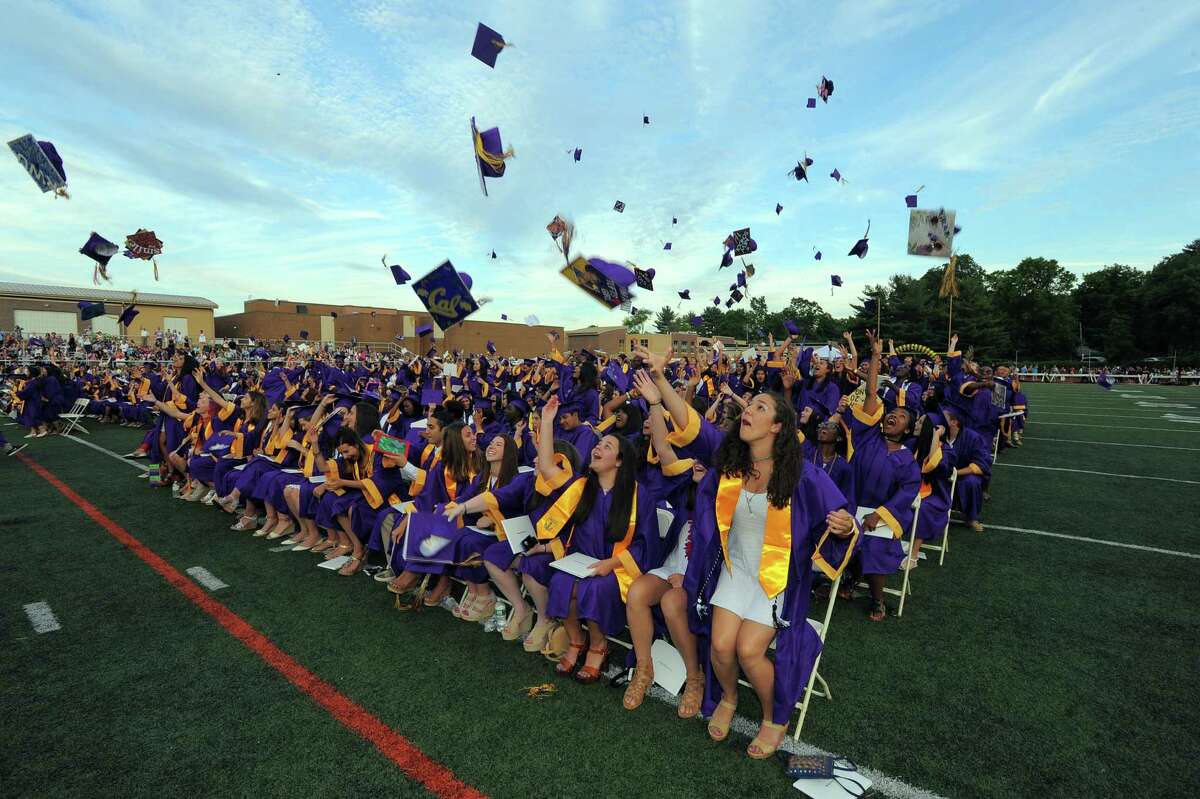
(709, 499)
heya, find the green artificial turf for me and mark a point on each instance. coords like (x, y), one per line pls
(1026, 666)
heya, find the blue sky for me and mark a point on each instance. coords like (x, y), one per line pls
(1061, 130)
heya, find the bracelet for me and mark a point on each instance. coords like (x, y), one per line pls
(655, 403)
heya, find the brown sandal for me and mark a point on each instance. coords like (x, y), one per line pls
(590, 674)
(693, 696)
(635, 693)
(567, 664)
(719, 730)
(758, 748)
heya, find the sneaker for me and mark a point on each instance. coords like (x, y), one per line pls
(14, 450)
(909, 563)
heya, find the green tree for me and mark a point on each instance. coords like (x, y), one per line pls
(1170, 299)
(1109, 301)
(636, 321)
(976, 319)
(1035, 300)
(666, 320)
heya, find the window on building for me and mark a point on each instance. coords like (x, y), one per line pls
(302, 309)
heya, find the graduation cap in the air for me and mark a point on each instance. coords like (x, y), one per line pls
(493, 255)
(824, 89)
(504, 317)
(741, 280)
(791, 327)
(931, 233)
(645, 119)
(686, 294)
(100, 250)
(667, 246)
(716, 300)
(800, 171)
(697, 321)
(604, 281)
(90, 310)
(816, 254)
(860, 246)
(42, 162)
(740, 242)
(812, 102)
(836, 175)
(578, 154)
(532, 321)
(491, 347)
(736, 296)
(446, 294)
(835, 280)
(778, 209)
(674, 220)
(729, 302)
(911, 199)
(619, 207)
(398, 274)
(488, 44)
(490, 155)
(644, 278)
(304, 335)
(726, 259)
(424, 329)
(127, 314)
(870, 305)
(144, 246)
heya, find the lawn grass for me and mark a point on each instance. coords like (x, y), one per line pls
(1027, 666)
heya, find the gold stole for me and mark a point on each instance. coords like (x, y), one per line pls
(552, 523)
(777, 538)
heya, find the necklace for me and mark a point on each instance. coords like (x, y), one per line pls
(749, 507)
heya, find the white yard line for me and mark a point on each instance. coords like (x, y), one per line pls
(109, 453)
(1121, 544)
(1114, 427)
(885, 784)
(1106, 443)
(1094, 415)
(1102, 474)
(42, 617)
(206, 578)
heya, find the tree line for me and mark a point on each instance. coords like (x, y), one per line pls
(1037, 310)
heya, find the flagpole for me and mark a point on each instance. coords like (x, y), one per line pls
(878, 316)
(950, 324)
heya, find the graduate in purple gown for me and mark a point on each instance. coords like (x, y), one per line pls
(936, 460)
(973, 460)
(886, 479)
(761, 513)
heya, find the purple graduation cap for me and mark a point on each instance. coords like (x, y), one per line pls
(1105, 381)
(644, 278)
(835, 280)
(800, 172)
(812, 102)
(645, 119)
(42, 162)
(697, 321)
(736, 296)
(127, 314)
(424, 329)
(619, 207)
(741, 279)
(791, 327)
(399, 275)
(604, 281)
(491, 347)
(860, 247)
(716, 300)
(493, 255)
(686, 294)
(824, 89)
(836, 175)
(432, 396)
(778, 209)
(578, 154)
(817, 254)
(726, 260)
(504, 317)
(304, 335)
(466, 279)
(490, 154)
(488, 45)
(90, 310)
(911, 199)
(100, 250)
(667, 246)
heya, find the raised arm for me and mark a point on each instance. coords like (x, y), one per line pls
(871, 402)
(547, 468)
(658, 426)
(674, 404)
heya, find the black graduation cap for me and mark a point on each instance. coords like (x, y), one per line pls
(127, 314)
(493, 255)
(736, 296)
(304, 335)
(801, 169)
(674, 221)
(333, 314)
(645, 119)
(870, 306)
(578, 153)
(488, 44)
(835, 280)
(90, 310)
(686, 294)
(860, 247)
(836, 175)
(778, 209)
(100, 250)
(667, 246)
(644, 278)
(619, 207)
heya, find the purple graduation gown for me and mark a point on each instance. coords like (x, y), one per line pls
(885, 480)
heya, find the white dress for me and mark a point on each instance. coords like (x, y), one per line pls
(677, 561)
(739, 591)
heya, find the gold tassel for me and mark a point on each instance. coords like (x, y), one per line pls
(155, 262)
(61, 192)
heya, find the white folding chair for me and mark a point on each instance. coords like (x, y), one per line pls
(904, 590)
(822, 628)
(77, 412)
(944, 547)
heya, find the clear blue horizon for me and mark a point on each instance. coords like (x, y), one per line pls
(280, 150)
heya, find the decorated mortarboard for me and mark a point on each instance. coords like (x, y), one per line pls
(931, 233)
(127, 314)
(824, 89)
(398, 274)
(490, 154)
(619, 207)
(778, 209)
(304, 335)
(836, 175)
(860, 246)
(800, 171)
(100, 250)
(686, 294)
(90, 310)
(42, 162)
(603, 280)
(835, 280)
(911, 199)
(741, 243)
(424, 329)
(446, 294)
(491, 347)
(644, 278)
(144, 246)
(488, 44)
(791, 327)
